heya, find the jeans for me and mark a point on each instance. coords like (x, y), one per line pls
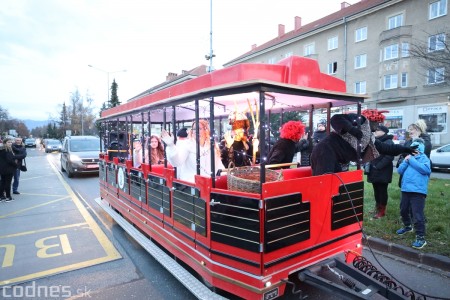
(413, 203)
(15, 185)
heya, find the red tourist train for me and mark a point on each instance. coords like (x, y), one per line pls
(247, 243)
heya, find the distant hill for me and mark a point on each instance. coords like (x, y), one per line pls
(31, 124)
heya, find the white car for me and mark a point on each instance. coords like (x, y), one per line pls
(440, 158)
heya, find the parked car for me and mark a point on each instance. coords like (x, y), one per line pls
(52, 145)
(440, 158)
(80, 154)
(30, 142)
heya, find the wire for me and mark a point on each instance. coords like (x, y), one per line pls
(373, 254)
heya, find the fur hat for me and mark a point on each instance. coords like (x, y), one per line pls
(238, 120)
(292, 130)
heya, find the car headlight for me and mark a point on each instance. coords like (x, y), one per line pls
(75, 158)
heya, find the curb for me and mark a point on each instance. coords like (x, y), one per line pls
(433, 260)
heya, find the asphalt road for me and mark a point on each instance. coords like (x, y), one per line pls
(139, 276)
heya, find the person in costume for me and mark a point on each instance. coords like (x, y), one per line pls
(285, 148)
(341, 145)
(183, 155)
(237, 149)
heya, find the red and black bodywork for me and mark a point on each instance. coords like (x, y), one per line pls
(245, 243)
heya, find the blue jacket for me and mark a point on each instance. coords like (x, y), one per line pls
(416, 173)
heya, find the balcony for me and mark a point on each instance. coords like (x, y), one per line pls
(401, 31)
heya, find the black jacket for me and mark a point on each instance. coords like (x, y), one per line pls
(318, 136)
(282, 152)
(20, 152)
(328, 155)
(381, 167)
(304, 146)
(237, 154)
(7, 162)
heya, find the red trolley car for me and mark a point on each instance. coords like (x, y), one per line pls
(246, 243)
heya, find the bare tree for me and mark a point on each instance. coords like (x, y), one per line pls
(433, 56)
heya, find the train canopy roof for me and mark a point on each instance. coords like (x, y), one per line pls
(294, 84)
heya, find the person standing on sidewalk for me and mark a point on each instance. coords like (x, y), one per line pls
(20, 152)
(416, 170)
(7, 167)
(380, 174)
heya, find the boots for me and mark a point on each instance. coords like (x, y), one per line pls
(381, 211)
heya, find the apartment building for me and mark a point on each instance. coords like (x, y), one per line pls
(368, 44)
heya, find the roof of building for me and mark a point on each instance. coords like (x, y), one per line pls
(345, 12)
(173, 78)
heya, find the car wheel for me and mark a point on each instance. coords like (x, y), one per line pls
(69, 171)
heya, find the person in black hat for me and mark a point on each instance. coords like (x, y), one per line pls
(380, 174)
(182, 133)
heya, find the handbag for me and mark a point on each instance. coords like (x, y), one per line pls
(23, 167)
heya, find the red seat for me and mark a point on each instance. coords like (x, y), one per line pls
(296, 173)
(221, 182)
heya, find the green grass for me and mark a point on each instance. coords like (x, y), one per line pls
(437, 212)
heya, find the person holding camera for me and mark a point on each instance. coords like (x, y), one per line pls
(20, 152)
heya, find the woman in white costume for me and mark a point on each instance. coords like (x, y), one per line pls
(183, 155)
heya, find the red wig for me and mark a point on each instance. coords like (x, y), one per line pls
(292, 130)
(374, 115)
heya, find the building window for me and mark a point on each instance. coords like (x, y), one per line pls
(289, 54)
(360, 61)
(332, 43)
(438, 9)
(332, 68)
(395, 21)
(360, 87)
(391, 52)
(404, 81)
(390, 81)
(436, 42)
(435, 75)
(272, 60)
(405, 49)
(360, 34)
(309, 49)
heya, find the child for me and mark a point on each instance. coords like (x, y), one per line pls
(416, 170)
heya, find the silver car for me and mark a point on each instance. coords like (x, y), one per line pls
(80, 154)
(440, 158)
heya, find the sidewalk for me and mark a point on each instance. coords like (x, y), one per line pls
(440, 262)
(46, 230)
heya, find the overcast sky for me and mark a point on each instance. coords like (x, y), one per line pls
(47, 45)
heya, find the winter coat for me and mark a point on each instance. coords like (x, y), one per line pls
(329, 155)
(237, 154)
(381, 167)
(318, 136)
(415, 174)
(304, 146)
(20, 152)
(282, 152)
(7, 162)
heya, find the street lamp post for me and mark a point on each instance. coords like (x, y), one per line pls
(107, 75)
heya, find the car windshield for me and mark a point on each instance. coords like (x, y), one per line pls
(53, 142)
(85, 145)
